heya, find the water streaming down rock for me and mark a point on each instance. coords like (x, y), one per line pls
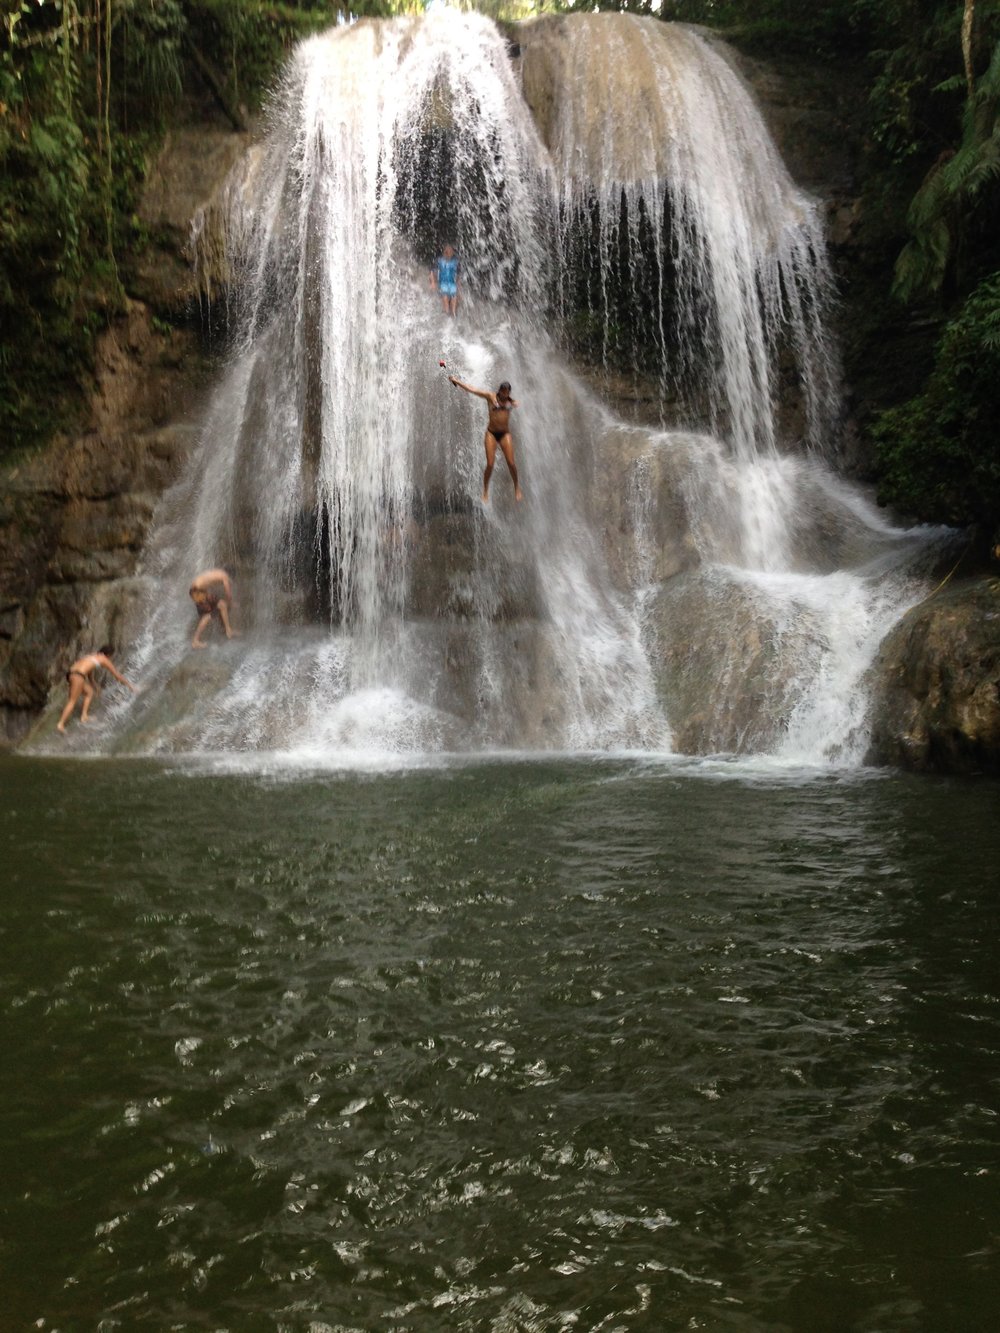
(699, 575)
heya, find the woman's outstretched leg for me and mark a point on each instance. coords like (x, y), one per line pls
(490, 445)
(507, 445)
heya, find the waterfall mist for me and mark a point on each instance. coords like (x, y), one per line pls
(706, 584)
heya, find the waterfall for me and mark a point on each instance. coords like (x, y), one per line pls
(702, 583)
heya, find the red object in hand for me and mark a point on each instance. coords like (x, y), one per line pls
(440, 363)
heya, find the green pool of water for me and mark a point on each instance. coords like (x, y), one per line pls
(545, 1045)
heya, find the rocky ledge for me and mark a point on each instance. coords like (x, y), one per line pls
(936, 684)
(73, 518)
(75, 515)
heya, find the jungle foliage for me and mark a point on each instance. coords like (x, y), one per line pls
(86, 88)
(936, 145)
(938, 451)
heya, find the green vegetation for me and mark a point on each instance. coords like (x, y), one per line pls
(936, 134)
(938, 452)
(86, 89)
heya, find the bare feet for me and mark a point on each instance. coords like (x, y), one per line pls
(519, 495)
(198, 645)
(60, 727)
(486, 497)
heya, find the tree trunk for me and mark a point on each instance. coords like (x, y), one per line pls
(967, 20)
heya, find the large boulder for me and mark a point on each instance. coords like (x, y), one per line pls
(936, 686)
(637, 503)
(727, 666)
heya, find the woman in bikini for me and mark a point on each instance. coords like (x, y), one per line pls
(497, 432)
(79, 682)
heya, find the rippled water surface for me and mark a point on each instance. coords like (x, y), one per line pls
(513, 1046)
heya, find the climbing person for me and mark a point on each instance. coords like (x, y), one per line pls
(79, 682)
(497, 432)
(444, 276)
(212, 594)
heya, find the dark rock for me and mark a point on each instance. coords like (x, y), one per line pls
(188, 173)
(812, 111)
(936, 684)
(452, 577)
(74, 517)
(11, 622)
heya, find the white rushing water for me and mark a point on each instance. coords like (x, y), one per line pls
(692, 585)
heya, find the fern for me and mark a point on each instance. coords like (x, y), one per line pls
(952, 190)
(936, 455)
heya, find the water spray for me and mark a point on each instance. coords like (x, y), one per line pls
(444, 367)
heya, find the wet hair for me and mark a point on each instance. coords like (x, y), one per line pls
(108, 650)
(505, 385)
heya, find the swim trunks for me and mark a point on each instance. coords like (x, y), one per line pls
(207, 600)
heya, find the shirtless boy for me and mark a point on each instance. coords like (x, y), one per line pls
(212, 594)
(79, 682)
(497, 432)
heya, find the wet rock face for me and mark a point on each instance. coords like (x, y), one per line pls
(727, 668)
(936, 700)
(451, 578)
(74, 518)
(182, 208)
(637, 504)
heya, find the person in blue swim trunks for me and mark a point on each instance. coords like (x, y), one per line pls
(444, 276)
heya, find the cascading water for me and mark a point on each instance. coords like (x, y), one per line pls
(696, 587)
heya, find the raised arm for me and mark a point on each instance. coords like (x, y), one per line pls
(480, 393)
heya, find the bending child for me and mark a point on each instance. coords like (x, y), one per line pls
(79, 682)
(212, 594)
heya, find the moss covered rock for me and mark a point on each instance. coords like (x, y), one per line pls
(936, 699)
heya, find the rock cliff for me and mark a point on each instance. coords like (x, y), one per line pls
(74, 516)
